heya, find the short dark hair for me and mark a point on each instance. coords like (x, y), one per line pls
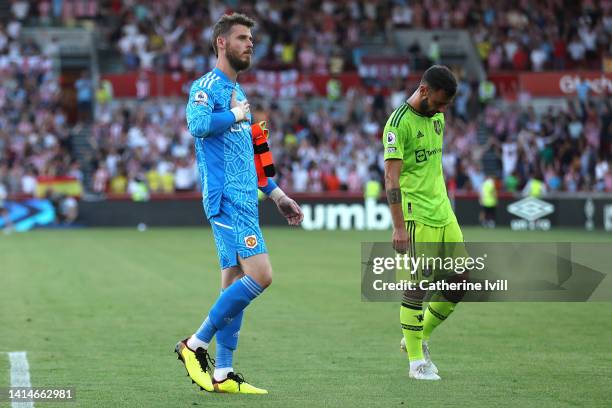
(440, 77)
(225, 24)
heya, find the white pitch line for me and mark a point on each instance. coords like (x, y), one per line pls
(20, 375)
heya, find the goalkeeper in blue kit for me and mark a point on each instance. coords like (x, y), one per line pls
(219, 118)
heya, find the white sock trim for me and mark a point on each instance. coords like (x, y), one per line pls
(194, 343)
(221, 373)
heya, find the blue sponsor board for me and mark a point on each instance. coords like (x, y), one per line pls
(28, 214)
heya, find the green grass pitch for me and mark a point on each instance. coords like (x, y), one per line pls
(101, 310)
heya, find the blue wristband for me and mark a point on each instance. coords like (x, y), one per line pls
(269, 187)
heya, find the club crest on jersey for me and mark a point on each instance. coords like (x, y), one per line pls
(200, 98)
(250, 241)
(437, 126)
(391, 138)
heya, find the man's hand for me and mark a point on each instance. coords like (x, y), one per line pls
(290, 210)
(400, 240)
(240, 109)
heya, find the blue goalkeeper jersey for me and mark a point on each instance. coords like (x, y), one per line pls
(224, 149)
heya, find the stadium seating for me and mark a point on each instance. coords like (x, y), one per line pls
(319, 144)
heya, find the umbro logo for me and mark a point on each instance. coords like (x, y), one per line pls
(531, 208)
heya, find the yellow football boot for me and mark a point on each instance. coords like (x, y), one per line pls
(197, 363)
(235, 384)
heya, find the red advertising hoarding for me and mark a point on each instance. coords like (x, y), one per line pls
(557, 84)
(291, 83)
(277, 84)
(506, 84)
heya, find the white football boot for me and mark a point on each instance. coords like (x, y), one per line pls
(426, 354)
(423, 372)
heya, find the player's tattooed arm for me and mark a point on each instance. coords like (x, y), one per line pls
(393, 168)
(394, 196)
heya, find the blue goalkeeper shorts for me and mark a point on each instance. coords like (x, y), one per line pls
(237, 233)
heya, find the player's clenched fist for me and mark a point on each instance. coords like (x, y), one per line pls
(240, 109)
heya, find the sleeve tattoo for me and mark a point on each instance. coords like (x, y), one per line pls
(394, 196)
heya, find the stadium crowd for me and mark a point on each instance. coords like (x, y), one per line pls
(174, 35)
(569, 149)
(529, 35)
(322, 146)
(35, 138)
(319, 144)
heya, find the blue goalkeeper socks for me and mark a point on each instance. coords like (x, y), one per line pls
(232, 301)
(225, 356)
(227, 342)
(223, 361)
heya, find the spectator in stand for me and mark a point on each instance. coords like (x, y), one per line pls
(535, 187)
(486, 92)
(52, 48)
(520, 59)
(20, 9)
(104, 94)
(398, 95)
(84, 95)
(434, 52)
(131, 59)
(462, 98)
(68, 210)
(186, 175)
(100, 179)
(602, 168)
(143, 86)
(538, 58)
(577, 51)
(559, 54)
(331, 181)
(582, 90)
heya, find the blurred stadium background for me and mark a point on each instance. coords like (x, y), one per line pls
(93, 95)
(93, 134)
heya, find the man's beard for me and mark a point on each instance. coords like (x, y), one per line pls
(236, 63)
(426, 109)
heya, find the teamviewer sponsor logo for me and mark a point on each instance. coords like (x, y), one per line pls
(421, 155)
(531, 210)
